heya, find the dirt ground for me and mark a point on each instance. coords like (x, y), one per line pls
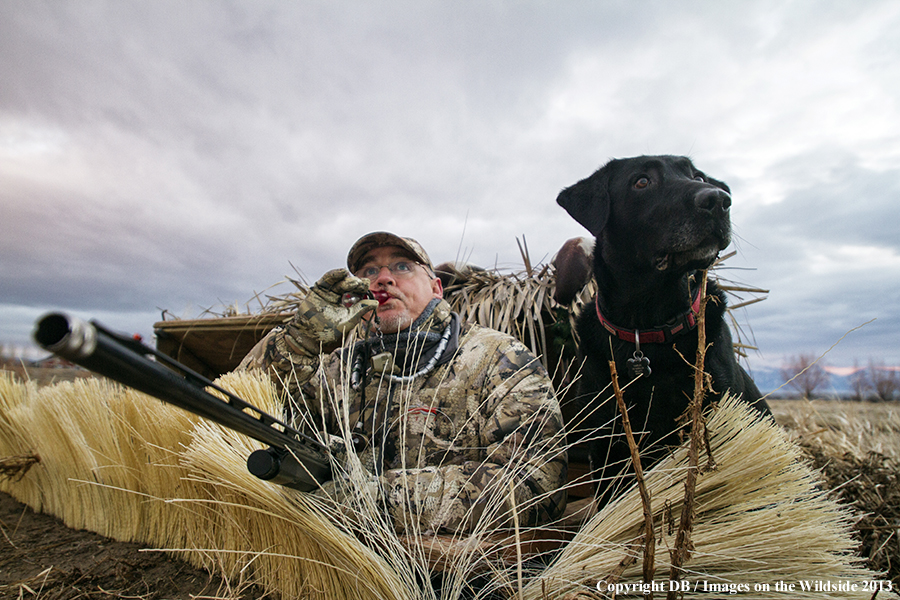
(42, 558)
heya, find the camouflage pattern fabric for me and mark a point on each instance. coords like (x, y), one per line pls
(320, 325)
(322, 322)
(453, 450)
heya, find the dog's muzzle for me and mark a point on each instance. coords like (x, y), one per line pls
(712, 200)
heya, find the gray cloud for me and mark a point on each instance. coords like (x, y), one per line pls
(171, 155)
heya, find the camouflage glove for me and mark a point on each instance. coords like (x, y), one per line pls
(322, 320)
(347, 489)
(351, 494)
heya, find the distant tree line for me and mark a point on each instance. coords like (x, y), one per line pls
(876, 382)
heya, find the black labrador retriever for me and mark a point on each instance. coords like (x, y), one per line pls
(658, 221)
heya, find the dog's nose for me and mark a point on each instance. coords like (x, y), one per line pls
(712, 200)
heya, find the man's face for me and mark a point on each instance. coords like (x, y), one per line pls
(401, 297)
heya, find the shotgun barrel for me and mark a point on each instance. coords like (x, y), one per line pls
(292, 459)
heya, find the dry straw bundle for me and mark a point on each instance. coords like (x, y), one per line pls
(760, 519)
(287, 542)
(519, 303)
(14, 442)
(103, 452)
(129, 467)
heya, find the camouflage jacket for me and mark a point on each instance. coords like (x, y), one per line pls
(448, 447)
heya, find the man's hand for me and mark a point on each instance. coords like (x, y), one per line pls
(322, 320)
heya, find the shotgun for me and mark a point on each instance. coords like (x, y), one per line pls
(292, 459)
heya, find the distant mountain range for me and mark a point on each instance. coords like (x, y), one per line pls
(769, 379)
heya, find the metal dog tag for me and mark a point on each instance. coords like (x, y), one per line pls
(638, 365)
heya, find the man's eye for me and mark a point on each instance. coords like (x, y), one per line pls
(370, 272)
(402, 267)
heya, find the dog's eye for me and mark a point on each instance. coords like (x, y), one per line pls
(641, 183)
(699, 177)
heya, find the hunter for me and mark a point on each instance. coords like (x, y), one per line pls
(445, 415)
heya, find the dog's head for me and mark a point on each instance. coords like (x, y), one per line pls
(652, 213)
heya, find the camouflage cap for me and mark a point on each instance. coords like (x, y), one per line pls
(378, 239)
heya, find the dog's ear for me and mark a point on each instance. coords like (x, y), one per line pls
(588, 201)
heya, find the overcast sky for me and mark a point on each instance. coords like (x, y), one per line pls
(185, 155)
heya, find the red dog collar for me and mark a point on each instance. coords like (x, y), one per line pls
(680, 324)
